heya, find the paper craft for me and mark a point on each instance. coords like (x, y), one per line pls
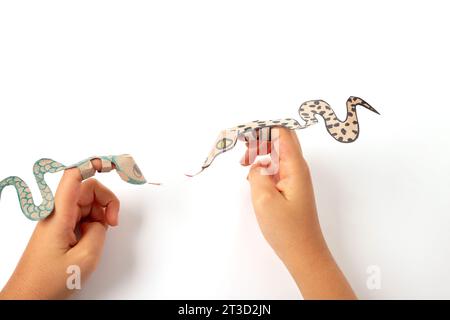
(343, 131)
(124, 164)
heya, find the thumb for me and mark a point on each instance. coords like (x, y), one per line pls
(262, 186)
(66, 209)
(90, 246)
(68, 194)
(286, 147)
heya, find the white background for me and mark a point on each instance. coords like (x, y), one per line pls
(160, 80)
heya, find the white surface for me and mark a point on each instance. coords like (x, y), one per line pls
(160, 81)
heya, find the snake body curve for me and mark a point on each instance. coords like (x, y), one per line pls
(123, 164)
(343, 131)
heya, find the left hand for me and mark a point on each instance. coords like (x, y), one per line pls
(72, 236)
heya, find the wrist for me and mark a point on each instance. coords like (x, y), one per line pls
(316, 273)
(304, 251)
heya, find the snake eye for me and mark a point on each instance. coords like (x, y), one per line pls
(137, 171)
(224, 143)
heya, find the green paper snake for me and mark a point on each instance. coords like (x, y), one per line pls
(124, 164)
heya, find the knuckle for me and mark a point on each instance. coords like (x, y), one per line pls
(89, 257)
(263, 199)
(304, 167)
(91, 182)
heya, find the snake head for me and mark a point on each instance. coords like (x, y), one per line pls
(128, 169)
(361, 102)
(225, 141)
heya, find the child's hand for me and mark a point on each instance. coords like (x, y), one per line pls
(286, 212)
(57, 243)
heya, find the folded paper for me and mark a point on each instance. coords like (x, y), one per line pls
(124, 164)
(343, 131)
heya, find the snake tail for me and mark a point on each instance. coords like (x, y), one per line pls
(29, 208)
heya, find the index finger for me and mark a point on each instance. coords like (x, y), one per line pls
(94, 193)
(68, 192)
(283, 146)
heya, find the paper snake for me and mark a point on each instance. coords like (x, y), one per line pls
(124, 164)
(343, 131)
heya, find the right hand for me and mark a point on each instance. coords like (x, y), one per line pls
(284, 203)
(285, 208)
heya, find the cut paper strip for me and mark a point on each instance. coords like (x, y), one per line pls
(124, 164)
(343, 131)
